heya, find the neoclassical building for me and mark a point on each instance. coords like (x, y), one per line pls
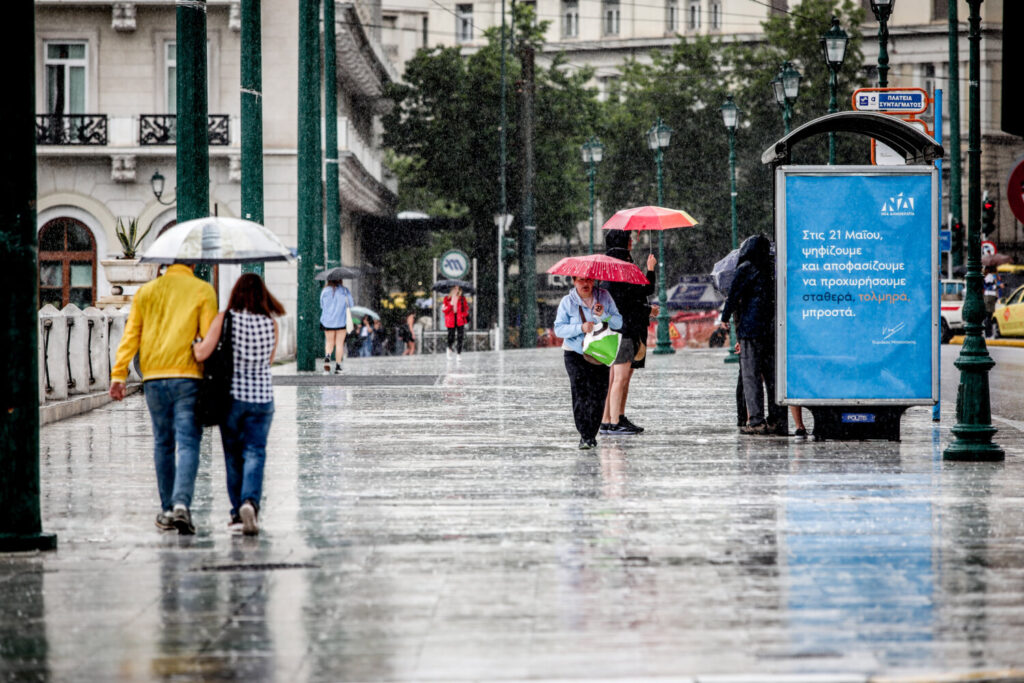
(105, 125)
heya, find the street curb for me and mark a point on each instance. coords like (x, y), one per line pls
(1019, 343)
(56, 411)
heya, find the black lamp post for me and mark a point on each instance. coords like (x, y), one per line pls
(157, 183)
(593, 152)
(786, 87)
(833, 44)
(730, 117)
(658, 138)
(882, 10)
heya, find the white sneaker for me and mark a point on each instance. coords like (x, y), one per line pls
(248, 514)
(458, 358)
(448, 354)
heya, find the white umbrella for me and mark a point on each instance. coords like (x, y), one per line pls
(217, 239)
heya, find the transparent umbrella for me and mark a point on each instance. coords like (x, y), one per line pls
(217, 239)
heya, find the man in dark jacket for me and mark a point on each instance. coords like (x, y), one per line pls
(751, 303)
(631, 300)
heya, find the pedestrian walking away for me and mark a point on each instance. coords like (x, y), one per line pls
(408, 335)
(751, 302)
(631, 300)
(378, 338)
(254, 336)
(166, 316)
(335, 321)
(577, 314)
(456, 315)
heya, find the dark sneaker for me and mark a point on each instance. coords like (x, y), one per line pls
(586, 444)
(248, 514)
(802, 433)
(337, 368)
(606, 427)
(623, 420)
(165, 521)
(182, 520)
(621, 430)
(758, 429)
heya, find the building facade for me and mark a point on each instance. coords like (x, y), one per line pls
(105, 125)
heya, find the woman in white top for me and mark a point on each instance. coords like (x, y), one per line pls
(254, 335)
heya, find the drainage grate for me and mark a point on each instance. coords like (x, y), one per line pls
(269, 566)
(355, 380)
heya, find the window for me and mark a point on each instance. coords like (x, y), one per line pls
(928, 78)
(426, 32)
(463, 23)
(693, 16)
(67, 264)
(389, 21)
(171, 76)
(65, 78)
(671, 16)
(570, 19)
(716, 16)
(782, 6)
(940, 10)
(611, 17)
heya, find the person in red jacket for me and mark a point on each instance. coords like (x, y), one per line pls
(456, 315)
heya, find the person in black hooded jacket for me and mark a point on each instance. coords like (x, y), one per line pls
(631, 301)
(751, 305)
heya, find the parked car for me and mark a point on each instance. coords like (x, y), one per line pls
(1009, 314)
(951, 300)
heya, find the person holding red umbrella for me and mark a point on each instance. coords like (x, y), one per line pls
(578, 312)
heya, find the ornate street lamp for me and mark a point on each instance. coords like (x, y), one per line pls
(593, 152)
(730, 117)
(157, 183)
(658, 138)
(833, 44)
(882, 10)
(786, 87)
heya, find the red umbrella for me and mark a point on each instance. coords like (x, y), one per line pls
(599, 267)
(649, 218)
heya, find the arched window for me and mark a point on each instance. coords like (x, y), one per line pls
(67, 264)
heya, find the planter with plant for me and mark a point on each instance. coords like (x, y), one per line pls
(126, 269)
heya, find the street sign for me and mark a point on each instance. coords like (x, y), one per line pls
(1015, 190)
(454, 264)
(891, 100)
(988, 248)
(945, 240)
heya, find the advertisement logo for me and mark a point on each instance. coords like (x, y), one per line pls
(898, 206)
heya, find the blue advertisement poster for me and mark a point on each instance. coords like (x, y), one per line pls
(857, 265)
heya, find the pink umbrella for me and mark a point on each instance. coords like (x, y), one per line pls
(599, 267)
(649, 218)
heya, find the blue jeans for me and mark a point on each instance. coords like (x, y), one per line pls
(172, 409)
(244, 436)
(366, 347)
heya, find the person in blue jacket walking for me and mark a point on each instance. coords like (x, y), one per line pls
(577, 314)
(335, 300)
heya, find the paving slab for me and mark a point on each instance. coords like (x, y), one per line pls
(431, 520)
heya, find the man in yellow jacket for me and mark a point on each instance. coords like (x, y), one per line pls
(166, 316)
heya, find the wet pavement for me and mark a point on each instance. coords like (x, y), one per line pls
(445, 527)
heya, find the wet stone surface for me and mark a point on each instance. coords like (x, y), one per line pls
(451, 530)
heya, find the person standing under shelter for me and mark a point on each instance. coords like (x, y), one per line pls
(166, 317)
(751, 303)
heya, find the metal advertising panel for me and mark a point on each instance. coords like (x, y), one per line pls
(857, 301)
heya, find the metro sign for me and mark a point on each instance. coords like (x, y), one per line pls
(891, 100)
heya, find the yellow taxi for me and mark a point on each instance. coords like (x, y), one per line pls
(1009, 314)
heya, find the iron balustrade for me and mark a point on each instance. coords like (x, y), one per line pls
(67, 354)
(162, 129)
(71, 129)
(88, 347)
(47, 326)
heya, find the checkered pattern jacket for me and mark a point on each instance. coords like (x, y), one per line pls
(252, 339)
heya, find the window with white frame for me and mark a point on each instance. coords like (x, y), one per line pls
(671, 16)
(928, 78)
(693, 16)
(570, 18)
(716, 16)
(611, 17)
(171, 75)
(66, 77)
(463, 23)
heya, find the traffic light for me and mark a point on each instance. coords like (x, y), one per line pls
(988, 217)
(508, 248)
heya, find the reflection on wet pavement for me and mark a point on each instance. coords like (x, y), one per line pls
(450, 529)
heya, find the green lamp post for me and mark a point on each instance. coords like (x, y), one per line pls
(786, 87)
(593, 152)
(882, 10)
(974, 430)
(730, 117)
(658, 138)
(833, 44)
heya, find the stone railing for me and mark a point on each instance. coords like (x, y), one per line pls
(77, 348)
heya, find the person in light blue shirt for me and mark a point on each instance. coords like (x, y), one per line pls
(577, 314)
(335, 300)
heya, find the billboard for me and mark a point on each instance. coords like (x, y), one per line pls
(856, 294)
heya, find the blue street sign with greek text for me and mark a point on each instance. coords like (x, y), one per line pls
(945, 240)
(857, 301)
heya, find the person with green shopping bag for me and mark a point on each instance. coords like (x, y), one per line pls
(579, 312)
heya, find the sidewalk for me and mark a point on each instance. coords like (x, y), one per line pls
(427, 520)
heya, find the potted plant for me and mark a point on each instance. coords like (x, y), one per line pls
(126, 269)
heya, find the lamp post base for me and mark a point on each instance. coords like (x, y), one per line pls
(19, 543)
(973, 430)
(732, 357)
(664, 340)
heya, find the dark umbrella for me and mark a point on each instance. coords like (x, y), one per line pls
(338, 274)
(996, 259)
(445, 285)
(724, 271)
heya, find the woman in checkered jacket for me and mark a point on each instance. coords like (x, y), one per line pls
(254, 335)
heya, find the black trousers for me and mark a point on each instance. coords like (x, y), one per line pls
(460, 332)
(589, 384)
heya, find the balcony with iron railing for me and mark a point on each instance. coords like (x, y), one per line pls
(101, 130)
